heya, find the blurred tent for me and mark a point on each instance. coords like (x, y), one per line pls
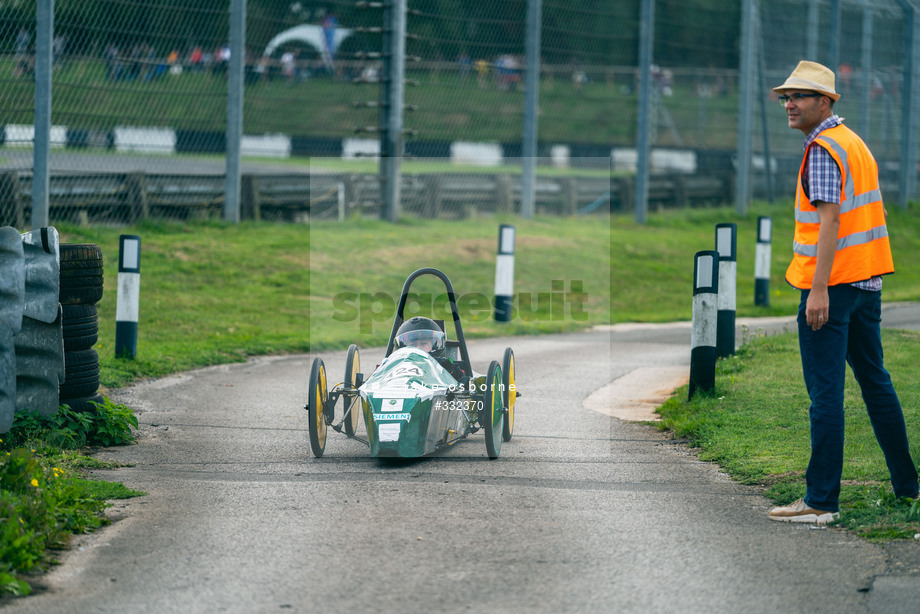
(324, 39)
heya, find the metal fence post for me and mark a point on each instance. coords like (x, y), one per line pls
(833, 39)
(908, 180)
(646, 41)
(42, 145)
(391, 141)
(763, 95)
(866, 68)
(811, 37)
(235, 109)
(745, 108)
(531, 96)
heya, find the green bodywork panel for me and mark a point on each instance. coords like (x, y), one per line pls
(407, 408)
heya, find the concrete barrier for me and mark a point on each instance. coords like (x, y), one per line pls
(145, 140)
(476, 154)
(266, 146)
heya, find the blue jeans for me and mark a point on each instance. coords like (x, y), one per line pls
(851, 336)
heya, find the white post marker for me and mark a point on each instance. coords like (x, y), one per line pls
(762, 261)
(727, 246)
(129, 292)
(504, 274)
(703, 326)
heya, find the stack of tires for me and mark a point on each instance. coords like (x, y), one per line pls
(81, 289)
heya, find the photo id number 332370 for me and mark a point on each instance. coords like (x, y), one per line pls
(457, 405)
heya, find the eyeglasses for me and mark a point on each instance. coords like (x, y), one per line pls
(784, 98)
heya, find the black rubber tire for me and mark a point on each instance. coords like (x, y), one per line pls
(493, 410)
(318, 398)
(81, 374)
(80, 255)
(81, 274)
(352, 368)
(84, 403)
(509, 393)
(80, 327)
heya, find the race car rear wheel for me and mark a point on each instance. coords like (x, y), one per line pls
(509, 393)
(493, 411)
(352, 368)
(318, 399)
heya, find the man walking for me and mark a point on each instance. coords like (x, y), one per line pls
(840, 253)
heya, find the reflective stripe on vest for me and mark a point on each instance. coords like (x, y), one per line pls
(858, 238)
(863, 249)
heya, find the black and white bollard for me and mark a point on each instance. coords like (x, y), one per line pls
(504, 274)
(129, 293)
(703, 327)
(727, 246)
(762, 261)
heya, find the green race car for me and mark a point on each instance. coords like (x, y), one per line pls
(423, 397)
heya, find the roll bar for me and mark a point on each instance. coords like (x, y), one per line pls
(403, 298)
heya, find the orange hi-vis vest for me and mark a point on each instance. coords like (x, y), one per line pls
(863, 249)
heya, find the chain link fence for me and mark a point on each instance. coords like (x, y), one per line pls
(140, 103)
(869, 45)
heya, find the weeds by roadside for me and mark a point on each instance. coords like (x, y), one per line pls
(43, 497)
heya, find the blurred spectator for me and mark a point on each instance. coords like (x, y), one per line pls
(262, 70)
(23, 41)
(482, 72)
(579, 76)
(370, 74)
(58, 46)
(112, 64)
(330, 23)
(289, 67)
(878, 89)
(172, 61)
(152, 68)
(845, 72)
(221, 60)
(465, 65)
(662, 80)
(196, 59)
(207, 61)
(507, 72)
(137, 56)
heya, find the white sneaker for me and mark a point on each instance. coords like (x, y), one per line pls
(799, 511)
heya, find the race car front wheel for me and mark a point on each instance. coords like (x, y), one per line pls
(509, 393)
(352, 368)
(493, 410)
(318, 399)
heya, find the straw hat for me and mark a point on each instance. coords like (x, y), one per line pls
(811, 76)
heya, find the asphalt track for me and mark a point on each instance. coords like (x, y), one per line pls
(583, 512)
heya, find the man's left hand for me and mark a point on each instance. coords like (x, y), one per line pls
(817, 308)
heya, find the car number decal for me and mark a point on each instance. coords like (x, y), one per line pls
(388, 431)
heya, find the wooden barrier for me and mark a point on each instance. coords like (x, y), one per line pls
(128, 198)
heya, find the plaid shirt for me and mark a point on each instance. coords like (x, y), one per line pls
(821, 181)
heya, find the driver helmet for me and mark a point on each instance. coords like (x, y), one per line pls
(421, 333)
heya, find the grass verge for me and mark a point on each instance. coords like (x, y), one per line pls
(755, 425)
(44, 497)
